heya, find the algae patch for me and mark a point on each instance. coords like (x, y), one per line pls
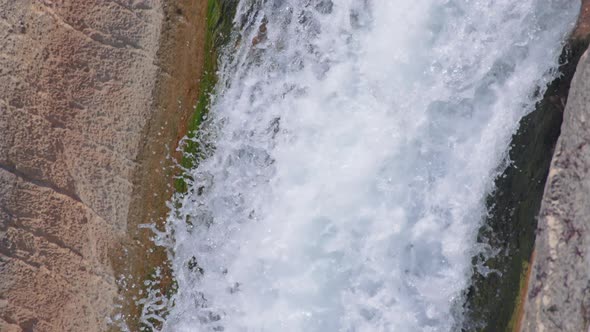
(219, 26)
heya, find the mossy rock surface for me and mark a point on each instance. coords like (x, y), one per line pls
(220, 15)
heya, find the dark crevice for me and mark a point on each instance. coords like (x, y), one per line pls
(39, 182)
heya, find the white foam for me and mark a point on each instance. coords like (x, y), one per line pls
(353, 149)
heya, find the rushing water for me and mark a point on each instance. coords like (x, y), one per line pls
(350, 146)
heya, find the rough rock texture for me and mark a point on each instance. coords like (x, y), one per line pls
(83, 83)
(558, 296)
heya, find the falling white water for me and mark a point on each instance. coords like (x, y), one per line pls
(352, 143)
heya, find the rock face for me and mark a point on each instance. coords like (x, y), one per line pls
(558, 295)
(559, 289)
(83, 85)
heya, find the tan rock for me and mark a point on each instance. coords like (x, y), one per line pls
(84, 85)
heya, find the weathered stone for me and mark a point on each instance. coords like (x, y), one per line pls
(75, 93)
(93, 95)
(558, 296)
(559, 290)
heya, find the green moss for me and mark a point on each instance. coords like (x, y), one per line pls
(219, 25)
(492, 302)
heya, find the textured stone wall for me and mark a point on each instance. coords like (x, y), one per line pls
(76, 86)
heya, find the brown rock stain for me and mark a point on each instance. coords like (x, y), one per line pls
(181, 62)
(523, 295)
(582, 29)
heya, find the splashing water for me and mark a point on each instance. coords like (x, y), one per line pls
(350, 146)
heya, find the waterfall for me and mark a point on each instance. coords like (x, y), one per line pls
(348, 150)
